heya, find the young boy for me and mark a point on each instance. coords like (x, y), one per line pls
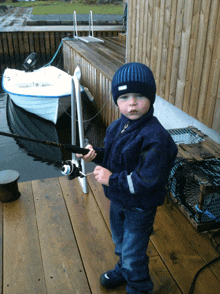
(133, 167)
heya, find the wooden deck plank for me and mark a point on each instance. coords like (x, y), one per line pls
(23, 269)
(162, 279)
(106, 66)
(180, 258)
(200, 241)
(63, 268)
(57, 240)
(109, 52)
(93, 237)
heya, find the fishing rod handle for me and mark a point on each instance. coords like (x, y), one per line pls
(76, 149)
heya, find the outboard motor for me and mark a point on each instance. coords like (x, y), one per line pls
(30, 62)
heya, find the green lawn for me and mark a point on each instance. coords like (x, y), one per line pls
(58, 7)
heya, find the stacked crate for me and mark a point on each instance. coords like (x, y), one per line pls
(195, 178)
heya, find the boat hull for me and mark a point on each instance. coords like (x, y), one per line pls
(45, 92)
(47, 108)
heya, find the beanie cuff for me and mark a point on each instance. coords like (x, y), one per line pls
(132, 87)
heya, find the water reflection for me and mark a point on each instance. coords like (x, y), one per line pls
(25, 124)
(35, 160)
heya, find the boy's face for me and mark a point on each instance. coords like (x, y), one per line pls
(133, 105)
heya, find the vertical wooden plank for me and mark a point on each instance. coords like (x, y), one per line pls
(113, 117)
(47, 46)
(149, 32)
(191, 56)
(63, 267)
(184, 53)
(214, 78)
(216, 117)
(23, 269)
(31, 42)
(137, 30)
(141, 29)
(17, 57)
(2, 59)
(170, 49)
(145, 30)
(57, 41)
(133, 35)
(212, 26)
(5, 49)
(160, 43)
(11, 50)
(26, 44)
(37, 44)
(176, 51)
(164, 53)
(155, 33)
(42, 48)
(21, 47)
(129, 32)
(97, 90)
(199, 57)
(52, 43)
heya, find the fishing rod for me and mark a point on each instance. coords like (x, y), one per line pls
(67, 147)
(68, 168)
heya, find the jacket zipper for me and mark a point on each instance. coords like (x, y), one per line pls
(125, 127)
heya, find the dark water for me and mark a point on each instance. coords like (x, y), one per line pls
(33, 160)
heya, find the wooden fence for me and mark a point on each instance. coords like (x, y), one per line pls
(180, 41)
(15, 46)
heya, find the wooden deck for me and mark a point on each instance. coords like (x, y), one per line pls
(55, 239)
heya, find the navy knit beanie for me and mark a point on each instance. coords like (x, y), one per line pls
(134, 77)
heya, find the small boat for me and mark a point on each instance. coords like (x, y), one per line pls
(45, 92)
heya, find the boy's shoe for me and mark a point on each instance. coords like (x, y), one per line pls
(111, 279)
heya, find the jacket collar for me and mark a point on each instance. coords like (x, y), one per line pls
(141, 120)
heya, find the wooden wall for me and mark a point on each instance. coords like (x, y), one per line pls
(180, 41)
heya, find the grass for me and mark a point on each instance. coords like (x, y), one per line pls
(58, 7)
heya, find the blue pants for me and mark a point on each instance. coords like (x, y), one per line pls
(131, 229)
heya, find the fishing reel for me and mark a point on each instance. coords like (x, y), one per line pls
(71, 170)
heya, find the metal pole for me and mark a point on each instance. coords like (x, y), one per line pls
(76, 101)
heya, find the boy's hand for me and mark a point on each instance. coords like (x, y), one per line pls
(102, 175)
(90, 156)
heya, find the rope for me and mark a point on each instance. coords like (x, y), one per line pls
(61, 44)
(192, 288)
(90, 118)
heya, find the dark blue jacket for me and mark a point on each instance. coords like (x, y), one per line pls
(140, 154)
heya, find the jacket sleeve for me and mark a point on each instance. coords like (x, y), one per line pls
(151, 173)
(100, 155)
